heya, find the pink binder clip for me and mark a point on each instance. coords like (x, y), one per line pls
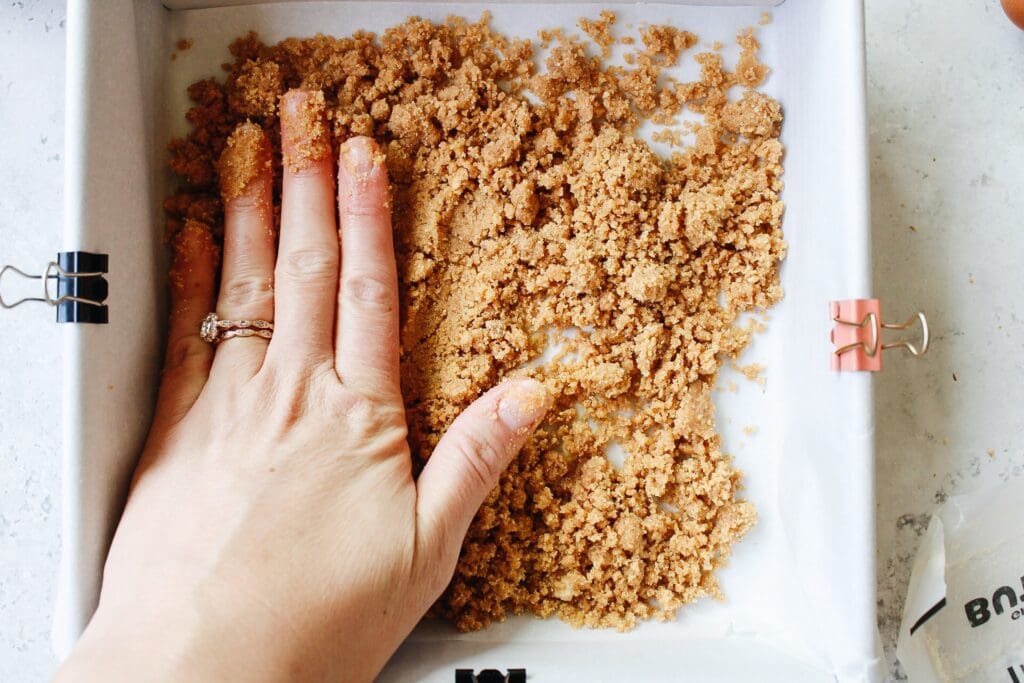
(857, 334)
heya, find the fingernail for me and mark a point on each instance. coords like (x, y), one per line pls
(360, 157)
(524, 403)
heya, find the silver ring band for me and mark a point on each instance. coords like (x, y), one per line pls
(214, 330)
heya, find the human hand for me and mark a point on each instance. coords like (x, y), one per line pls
(273, 529)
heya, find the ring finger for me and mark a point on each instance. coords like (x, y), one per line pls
(247, 277)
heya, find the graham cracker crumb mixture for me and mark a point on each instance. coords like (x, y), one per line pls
(524, 223)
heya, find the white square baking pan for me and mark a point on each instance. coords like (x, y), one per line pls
(800, 588)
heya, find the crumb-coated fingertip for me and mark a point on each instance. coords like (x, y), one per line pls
(193, 236)
(305, 138)
(193, 241)
(246, 155)
(193, 248)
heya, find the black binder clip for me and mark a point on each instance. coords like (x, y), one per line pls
(81, 287)
(490, 676)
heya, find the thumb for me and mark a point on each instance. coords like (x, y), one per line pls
(470, 457)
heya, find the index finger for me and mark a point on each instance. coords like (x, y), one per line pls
(367, 354)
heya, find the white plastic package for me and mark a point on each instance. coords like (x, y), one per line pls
(964, 616)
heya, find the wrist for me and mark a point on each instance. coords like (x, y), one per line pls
(128, 646)
(188, 644)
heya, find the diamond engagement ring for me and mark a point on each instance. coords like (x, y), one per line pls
(214, 330)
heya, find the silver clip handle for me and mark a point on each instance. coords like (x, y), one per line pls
(52, 272)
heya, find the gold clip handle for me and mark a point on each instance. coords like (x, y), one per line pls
(872, 347)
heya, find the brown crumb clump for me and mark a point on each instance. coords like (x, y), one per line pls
(245, 155)
(255, 87)
(752, 371)
(749, 71)
(666, 43)
(600, 32)
(668, 136)
(756, 116)
(183, 44)
(524, 223)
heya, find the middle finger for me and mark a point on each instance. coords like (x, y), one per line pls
(307, 264)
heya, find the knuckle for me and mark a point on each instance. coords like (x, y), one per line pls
(366, 206)
(480, 456)
(310, 264)
(286, 399)
(240, 291)
(310, 171)
(369, 291)
(251, 203)
(365, 410)
(186, 351)
(351, 404)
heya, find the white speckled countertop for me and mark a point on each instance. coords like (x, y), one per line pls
(946, 116)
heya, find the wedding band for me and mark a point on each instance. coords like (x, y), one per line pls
(215, 330)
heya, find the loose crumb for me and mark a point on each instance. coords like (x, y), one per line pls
(668, 136)
(766, 18)
(183, 44)
(750, 430)
(752, 371)
(600, 31)
(523, 222)
(749, 71)
(666, 43)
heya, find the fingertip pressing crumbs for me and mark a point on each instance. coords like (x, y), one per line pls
(305, 136)
(246, 155)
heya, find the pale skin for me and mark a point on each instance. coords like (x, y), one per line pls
(274, 530)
